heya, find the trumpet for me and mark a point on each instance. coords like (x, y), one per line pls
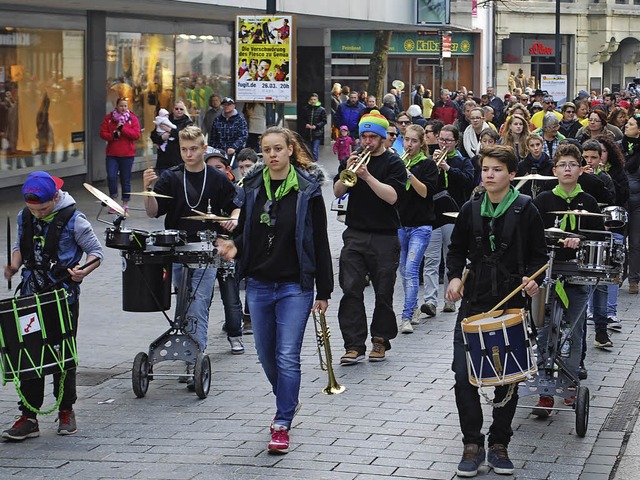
(322, 336)
(348, 176)
(440, 158)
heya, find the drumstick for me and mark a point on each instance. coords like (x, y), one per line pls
(67, 275)
(9, 246)
(465, 275)
(520, 287)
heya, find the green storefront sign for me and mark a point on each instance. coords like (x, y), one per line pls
(402, 43)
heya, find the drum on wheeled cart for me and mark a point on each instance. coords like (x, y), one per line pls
(147, 287)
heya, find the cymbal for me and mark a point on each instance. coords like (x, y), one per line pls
(105, 199)
(560, 234)
(579, 213)
(536, 176)
(151, 193)
(209, 217)
(451, 214)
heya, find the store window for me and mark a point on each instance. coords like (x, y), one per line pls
(41, 97)
(154, 70)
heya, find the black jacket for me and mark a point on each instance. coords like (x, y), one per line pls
(170, 157)
(314, 115)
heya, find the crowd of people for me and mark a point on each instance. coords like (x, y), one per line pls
(439, 177)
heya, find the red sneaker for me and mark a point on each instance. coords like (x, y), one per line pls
(543, 407)
(279, 443)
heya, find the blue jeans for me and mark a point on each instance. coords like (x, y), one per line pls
(230, 294)
(314, 145)
(279, 313)
(413, 244)
(438, 245)
(124, 166)
(200, 296)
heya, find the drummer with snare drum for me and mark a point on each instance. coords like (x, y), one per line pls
(501, 233)
(192, 186)
(569, 195)
(52, 238)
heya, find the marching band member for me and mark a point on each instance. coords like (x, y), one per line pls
(52, 237)
(455, 181)
(371, 242)
(283, 249)
(501, 233)
(192, 186)
(417, 217)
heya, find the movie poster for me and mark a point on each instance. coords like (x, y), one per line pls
(264, 63)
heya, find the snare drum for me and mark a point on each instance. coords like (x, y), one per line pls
(571, 273)
(616, 217)
(195, 253)
(595, 255)
(497, 348)
(37, 336)
(126, 238)
(168, 238)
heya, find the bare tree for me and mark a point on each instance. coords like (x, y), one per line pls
(378, 65)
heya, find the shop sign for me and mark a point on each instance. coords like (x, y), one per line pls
(537, 48)
(401, 43)
(19, 39)
(265, 60)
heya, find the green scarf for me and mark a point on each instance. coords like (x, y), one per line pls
(446, 173)
(557, 190)
(487, 210)
(413, 162)
(291, 182)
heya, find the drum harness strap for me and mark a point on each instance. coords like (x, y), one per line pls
(510, 225)
(48, 259)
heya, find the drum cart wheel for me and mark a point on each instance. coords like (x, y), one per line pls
(202, 375)
(581, 406)
(140, 374)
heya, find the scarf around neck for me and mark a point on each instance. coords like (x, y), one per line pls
(291, 182)
(488, 210)
(120, 117)
(413, 162)
(567, 197)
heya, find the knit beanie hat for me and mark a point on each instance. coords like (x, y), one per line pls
(373, 122)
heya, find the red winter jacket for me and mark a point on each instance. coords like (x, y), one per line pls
(125, 144)
(447, 112)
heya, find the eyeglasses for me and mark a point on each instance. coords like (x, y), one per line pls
(567, 166)
(404, 122)
(569, 111)
(446, 140)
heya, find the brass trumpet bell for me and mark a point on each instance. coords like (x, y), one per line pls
(348, 176)
(323, 334)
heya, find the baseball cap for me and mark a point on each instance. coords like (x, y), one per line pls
(214, 152)
(536, 105)
(344, 127)
(228, 100)
(42, 185)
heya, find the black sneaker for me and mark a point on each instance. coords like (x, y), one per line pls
(498, 459)
(602, 340)
(582, 373)
(472, 457)
(25, 427)
(429, 309)
(67, 422)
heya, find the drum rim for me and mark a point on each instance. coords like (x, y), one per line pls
(468, 325)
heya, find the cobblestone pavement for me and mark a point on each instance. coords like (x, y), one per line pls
(396, 418)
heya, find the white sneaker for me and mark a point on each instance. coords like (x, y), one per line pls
(614, 324)
(237, 347)
(415, 320)
(406, 326)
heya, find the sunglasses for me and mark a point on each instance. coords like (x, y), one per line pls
(393, 134)
(404, 122)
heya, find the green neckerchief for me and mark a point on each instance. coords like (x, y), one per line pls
(413, 162)
(46, 219)
(558, 191)
(487, 210)
(446, 172)
(561, 293)
(285, 187)
(597, 171)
